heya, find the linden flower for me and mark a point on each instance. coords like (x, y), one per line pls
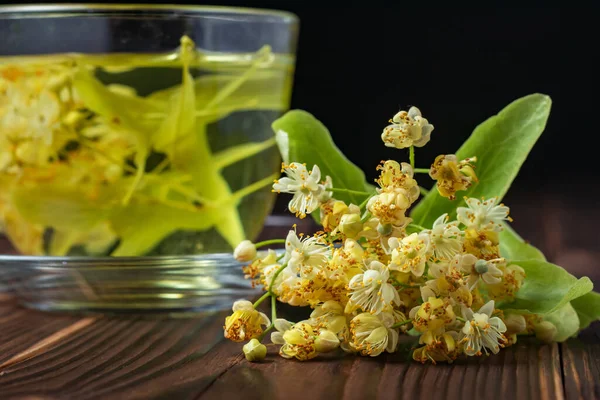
(512, 279)
(245, 251)
(442, 349)
(332, 213)
(448, 283)
(482, 331)
(479, 269)
(297, 340)
(407, 129)
(446, 238)
(483, 215)
(432, 317)
(398, 190)
(371, 291)
(390, 207)
(347, 261)
(482, 244)
(307, 256)
(260, 263)
(285, 285)
(394, 175)
(245, 323)
(305, 187)
(330, 316)
(411, 253)
(371, 334)
(373, 229)
(452, 175)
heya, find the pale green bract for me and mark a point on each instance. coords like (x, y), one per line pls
(566, 321)
(546, 288)
(513, 247)
(587, 308)
(501, 145)
(303, 138)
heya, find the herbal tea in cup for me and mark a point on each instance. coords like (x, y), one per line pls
(128, 154)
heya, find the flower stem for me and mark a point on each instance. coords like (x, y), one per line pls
(421, 170)
(364, 203)
(340, 190)
(268, 242)
(417, 226)
(424, 191)
(273, 318)
(365, 217)
(461, 319)
(406, 286)
(275, 277)
(399, 324)
(262, 298)
(411, 156)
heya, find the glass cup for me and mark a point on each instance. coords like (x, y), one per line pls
(130, 130)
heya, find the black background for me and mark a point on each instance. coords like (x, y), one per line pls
(360, 62)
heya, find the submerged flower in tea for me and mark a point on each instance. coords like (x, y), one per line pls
(105, 171)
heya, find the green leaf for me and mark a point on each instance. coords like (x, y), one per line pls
(304, 139)
(513, 247)
(566, 321)
(546, 288)
(588, 308)
(501, 145)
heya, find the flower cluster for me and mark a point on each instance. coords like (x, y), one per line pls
(372, 275)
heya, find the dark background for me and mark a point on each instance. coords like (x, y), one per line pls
(360, 62)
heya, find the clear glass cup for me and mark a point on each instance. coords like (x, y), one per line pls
(129, 130)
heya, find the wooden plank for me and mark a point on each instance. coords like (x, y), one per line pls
(581, 365)
(126, 357)
(20, 328)
(525, 371)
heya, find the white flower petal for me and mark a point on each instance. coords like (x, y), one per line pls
(242, 305)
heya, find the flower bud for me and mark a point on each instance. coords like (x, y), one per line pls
(384, 229)
(515, 323)
(255, 350)
(545, 331)
(245, 251)
(326, 341)
(350, 225)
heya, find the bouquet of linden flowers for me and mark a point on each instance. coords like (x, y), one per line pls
(449, 269)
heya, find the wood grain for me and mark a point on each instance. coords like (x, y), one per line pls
(157, 357)
(581, 365)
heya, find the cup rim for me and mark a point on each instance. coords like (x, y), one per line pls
(89, 9)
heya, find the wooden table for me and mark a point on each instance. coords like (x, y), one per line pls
(52, 356)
